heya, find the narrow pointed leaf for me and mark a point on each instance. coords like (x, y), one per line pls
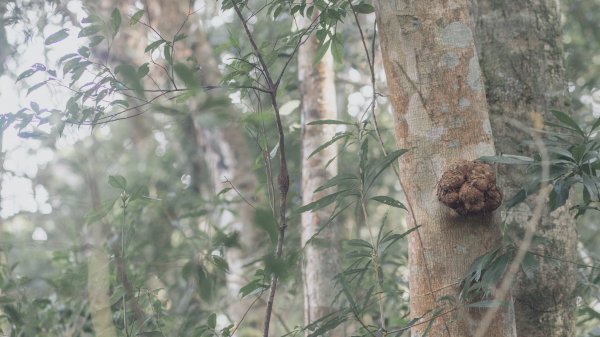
(56, 37)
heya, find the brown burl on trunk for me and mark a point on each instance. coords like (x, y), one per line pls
(470, 188)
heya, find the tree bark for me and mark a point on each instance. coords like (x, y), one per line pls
(441, 114)
(322, 261)
(520, 48)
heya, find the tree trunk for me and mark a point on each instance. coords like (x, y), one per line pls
(98, 282)
(440, 111)
(225, 152)
(519, 45)
(322, 261)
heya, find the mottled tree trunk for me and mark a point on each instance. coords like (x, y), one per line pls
(98, 282)
(322, 260)
(520, 49)
(440, 112)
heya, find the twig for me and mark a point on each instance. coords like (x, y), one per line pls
(245, 313)
(238, 192)
(283, 179)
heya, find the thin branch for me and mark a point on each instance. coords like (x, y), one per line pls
(246, 313)
(306, 33)
(283, 178)
(238, 192)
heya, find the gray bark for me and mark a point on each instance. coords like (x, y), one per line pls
(520, 50)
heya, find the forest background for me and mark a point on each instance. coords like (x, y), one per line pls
(141, 149)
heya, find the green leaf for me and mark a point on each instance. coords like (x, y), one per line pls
(95, 40)
(337, 49)
(152, 46)
(507, 159)
(56, 37)
(168, 52)
(381, 165)
(254, 286)
(93, 18)
(389, 201)
(89, 30)
(35, 107)
(143, 70)
(186, 75)
(335, 138)
(212, 321)
(337, 180)
(84, 51)
(364, 8)
(66, 57)
(567, 120)
(220, 263)
(117, 181)
(596, 124)
(263, 219)
(434, 315)
(115, 21)
(590, 186)
(129, 74)
(135, 18)
(26, 74)
(329, 121)
(140, 192)
(359, 243)
(179, 37)
(529, 265)
(120, 102)
(517, 199)
(321, 52)
(34, 87)
(560, 192)
(323, 202)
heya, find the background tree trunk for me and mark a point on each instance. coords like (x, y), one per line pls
(223, 150)
(519, 45)
(322, 261)
(98, 278)
(440, 111)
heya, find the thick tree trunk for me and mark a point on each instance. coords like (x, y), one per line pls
(322, 261)
(519, 45)
(440, 111)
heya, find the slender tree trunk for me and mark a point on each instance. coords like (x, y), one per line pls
(322, 260)
(520, 49)
(99, 272)
(440, 111)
